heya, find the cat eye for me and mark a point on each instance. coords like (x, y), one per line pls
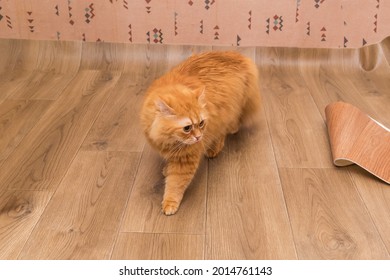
(201, 124)
(187, 128)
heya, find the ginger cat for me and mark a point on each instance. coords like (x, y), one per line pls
(189, 111)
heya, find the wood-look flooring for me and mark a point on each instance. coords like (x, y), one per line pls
(79, 181)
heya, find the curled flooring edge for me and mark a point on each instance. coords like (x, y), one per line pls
(356, 138)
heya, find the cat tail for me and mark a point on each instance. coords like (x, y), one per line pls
(251, 110)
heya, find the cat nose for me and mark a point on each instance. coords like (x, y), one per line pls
(198, 137)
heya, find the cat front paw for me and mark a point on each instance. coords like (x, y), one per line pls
(169, 207)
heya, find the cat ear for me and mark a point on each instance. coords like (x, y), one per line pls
(202, 97)
(163, 108)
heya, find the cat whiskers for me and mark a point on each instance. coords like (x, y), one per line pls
(208, 139)
(176, 149)
(204, 145)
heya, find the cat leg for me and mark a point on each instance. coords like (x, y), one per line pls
(215, 148)
(179, 175)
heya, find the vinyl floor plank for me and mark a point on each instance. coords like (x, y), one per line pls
(293, 117)
(328, 217)
(336, 87)
(17, 118)
(5, 48)
(158, 246)
(246, 214)
(83, 217)
(41, 85)
(117, 126)
(40, 69)
(11, 82)
(19, 213)
(375, 87)
(349, 82)
(42, 158)
(376, 196)
(108, 56)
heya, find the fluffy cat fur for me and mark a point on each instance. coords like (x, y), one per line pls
(189, 111)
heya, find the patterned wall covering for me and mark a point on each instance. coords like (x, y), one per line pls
(303, 23)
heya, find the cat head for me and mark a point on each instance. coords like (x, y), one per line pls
(180, 116)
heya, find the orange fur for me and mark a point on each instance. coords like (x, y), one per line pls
(189, 111)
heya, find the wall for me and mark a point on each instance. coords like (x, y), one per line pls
(303, 23)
